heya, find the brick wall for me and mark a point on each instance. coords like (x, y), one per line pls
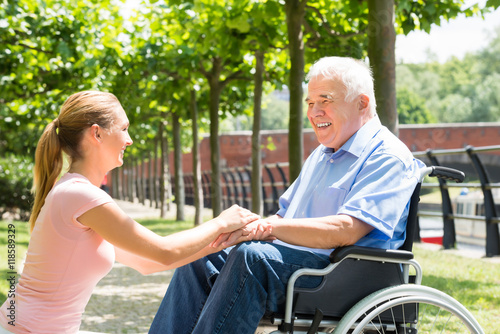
(236, 148)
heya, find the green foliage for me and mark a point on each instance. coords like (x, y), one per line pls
(412, 109)
(154, 55)
(16, 180)
(49, 50)
(337, 28)
(459, 90)
(420, 15)
(493, 3)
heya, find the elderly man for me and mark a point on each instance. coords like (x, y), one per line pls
(353, 189)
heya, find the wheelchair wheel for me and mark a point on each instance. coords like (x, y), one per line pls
(408, 309)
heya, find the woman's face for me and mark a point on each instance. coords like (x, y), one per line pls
(116, 139)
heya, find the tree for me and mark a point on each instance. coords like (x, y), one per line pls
(264, 36)
(220, 61)
(197, 185)
(47, 53)
(381, 52)
(412, 109)
(295, 12)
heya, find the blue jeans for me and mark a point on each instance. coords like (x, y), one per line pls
(230, 291)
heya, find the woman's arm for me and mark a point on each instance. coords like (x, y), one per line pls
(146, 266)
(110, 222)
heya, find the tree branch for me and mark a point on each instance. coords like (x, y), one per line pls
(33, 48)
(203, 71)
(238, 75)
(329, 29)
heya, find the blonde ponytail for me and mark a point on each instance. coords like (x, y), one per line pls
(48, 166)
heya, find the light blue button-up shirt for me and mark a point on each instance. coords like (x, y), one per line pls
(371, 177)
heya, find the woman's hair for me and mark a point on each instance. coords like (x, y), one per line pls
(354, 74)
(79, 112)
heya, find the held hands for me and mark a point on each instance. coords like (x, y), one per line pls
(256, 230)
(235, 218)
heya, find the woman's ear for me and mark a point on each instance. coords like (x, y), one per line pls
(95, 130)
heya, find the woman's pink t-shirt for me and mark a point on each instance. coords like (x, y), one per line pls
(64, 262)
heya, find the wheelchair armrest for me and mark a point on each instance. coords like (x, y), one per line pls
(342, 252)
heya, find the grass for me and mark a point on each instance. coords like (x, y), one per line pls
(18, 231)
(435, 195)
(473, 282)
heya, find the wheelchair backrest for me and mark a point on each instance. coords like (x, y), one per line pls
(412, 221)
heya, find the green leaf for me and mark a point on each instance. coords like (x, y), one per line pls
(493, 3)
(239, 23)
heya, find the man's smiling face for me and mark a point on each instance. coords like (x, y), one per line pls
(333, 119)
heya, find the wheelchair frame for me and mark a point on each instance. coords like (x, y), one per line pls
(360, 317)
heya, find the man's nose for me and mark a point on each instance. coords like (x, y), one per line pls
(316, 110)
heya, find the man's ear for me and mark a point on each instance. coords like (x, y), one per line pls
(364, 102)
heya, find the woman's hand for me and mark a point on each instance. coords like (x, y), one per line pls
(234, 218)
(256, 230)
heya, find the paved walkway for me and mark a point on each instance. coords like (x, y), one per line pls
(125, 301)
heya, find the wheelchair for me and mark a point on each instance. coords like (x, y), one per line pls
(367, 290)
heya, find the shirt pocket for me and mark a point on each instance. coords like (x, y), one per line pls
(328, 201)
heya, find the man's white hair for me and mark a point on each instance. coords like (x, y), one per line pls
(353, 73)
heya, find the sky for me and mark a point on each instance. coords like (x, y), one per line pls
(453, 38)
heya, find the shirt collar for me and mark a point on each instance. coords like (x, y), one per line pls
(358, 141)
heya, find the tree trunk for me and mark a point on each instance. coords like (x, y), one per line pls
(215, 91)
(295, 11)
(256, 151)
(197, 183)
(151, 179)
(115, 183)
(123, 186)
(163, 170)
(131, 181)
(142, 180)
(381, 52)
(179, 175)
(137, 179)
(157, 172)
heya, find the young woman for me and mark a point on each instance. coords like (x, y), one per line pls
(77, 230)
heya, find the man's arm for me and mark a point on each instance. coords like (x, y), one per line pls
(324, 232)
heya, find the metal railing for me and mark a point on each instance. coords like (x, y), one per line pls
(236, 186)
(490, 216)
(236, 189)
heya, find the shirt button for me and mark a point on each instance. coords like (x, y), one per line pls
(331, 161)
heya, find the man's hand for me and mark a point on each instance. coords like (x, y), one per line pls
(256, 230)
(234, 218)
